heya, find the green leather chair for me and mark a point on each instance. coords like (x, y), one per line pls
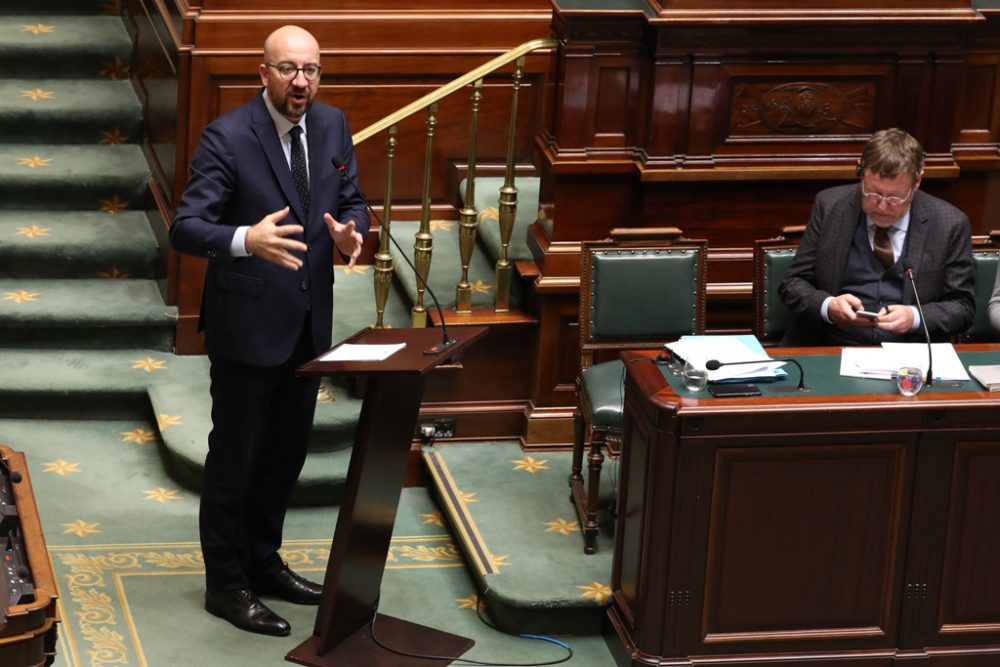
(641, 289)
(771, 259)
(985, 258)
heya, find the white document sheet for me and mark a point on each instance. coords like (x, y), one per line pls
(349, 352)
(883, 362)
(698, 350)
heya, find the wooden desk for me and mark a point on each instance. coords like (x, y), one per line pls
(823, 529)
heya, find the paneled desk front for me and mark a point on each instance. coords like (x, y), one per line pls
(844, 527)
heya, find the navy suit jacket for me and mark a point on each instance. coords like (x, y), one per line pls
(253, 310)
(938, 247)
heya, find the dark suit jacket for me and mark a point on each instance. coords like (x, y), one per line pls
(938, 247)
(253, 310)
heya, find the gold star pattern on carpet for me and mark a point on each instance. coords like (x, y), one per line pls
(112, 274)
(595, 591)
(113, 137)
(34, 162)
(113, 205)
(442, 225)
(137, 435)
(80, 528)
(38, 28)
(531, 465)
(115, 69)
(163, 422)
(148, 364)
(489, 213)
(33, 231)
(61, 467)
(467, 496)
(37, 94)
(499, 561)
(470, 602)
(433, 519)
(20, 296)
(361, 269)
(561, 526)
(161, 495)
(479, 287)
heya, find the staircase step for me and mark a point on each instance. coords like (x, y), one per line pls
(72, 176)
(71, 7)
(76, 244)
(69, 111)
(486, 202)
(84, 313)
(446, 267)
(48, 46)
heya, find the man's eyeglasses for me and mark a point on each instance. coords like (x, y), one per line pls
(892, 200)
(288, 71)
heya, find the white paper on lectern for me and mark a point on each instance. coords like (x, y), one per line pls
(349, 352)
(883, 362)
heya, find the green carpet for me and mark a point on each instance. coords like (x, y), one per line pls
(122, 537)
(486, 201)
(519, 531)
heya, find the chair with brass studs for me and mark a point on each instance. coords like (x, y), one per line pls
(639, 289)
(771, 259)
(985, 259)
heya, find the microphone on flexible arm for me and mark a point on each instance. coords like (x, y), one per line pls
(715, 364)
(445, 341)
(923, 322)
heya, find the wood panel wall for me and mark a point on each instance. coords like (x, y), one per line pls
(723, 118)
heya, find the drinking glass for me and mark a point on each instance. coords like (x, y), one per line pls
(695, 377)
(910, 380)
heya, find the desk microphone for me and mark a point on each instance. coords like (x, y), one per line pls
(445, 341)
(923, 321)
(715, 364)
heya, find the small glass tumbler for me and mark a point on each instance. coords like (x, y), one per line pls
(910, 380)
(674, 364)
(695, 377)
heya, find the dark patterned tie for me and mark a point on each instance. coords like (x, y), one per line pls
(299, 173)
(883, 246)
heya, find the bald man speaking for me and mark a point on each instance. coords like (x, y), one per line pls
(267, 208)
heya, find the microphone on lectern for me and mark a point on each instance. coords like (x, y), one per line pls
(445, 341)
(715, 364)
(923, 321)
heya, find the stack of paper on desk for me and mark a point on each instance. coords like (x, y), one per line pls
(884, 362)
(698, 350)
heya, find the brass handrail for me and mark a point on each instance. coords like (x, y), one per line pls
(453, 86)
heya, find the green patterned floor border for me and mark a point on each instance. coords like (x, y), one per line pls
(98, 627)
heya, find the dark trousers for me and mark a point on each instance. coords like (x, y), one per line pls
(261, 419)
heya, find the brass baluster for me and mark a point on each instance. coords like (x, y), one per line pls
(468, 221)
(424, 242)
(508, 204)
(383, 258)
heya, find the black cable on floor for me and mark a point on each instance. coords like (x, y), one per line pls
(467, 661)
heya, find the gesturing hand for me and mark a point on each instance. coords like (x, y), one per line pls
(267, 240)
(344, 235)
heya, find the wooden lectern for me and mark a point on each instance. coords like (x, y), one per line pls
(375, 477)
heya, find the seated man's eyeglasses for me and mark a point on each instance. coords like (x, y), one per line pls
(892, 200)
(288, 71)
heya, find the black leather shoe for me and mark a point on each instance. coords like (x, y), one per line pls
(288, 586)
(246, 612)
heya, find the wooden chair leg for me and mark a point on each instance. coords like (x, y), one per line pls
(595, 461)
(579, 429)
